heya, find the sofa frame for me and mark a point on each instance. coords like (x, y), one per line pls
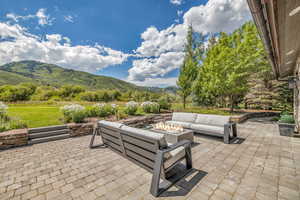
(229, 134)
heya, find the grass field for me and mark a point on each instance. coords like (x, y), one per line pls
(36, 115)
(42, 114)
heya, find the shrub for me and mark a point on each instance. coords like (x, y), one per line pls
(102, 110)
(289, 119)
(3, 110)
(10, 124)
(164, 102)
(73, 113)
(131, 108)
(150, 107)
(89, 96)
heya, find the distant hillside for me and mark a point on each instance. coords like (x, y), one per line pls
(32, 71)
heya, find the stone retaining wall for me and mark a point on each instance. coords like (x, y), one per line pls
(139, 122)
(244, 117)
(13, 138)
(80, 129)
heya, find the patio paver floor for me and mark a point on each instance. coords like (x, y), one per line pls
(264, 166)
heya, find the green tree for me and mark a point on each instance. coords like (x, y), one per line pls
(188, 70)
(224, 76)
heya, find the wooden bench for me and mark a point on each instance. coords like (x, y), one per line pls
(149, 150)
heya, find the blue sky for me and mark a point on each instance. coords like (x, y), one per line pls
(140, 41)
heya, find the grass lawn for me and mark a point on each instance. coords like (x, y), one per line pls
(36, 115)
(42, 114)
(196, 109)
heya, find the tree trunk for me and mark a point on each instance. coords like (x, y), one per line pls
(231, 104)
(184, 102)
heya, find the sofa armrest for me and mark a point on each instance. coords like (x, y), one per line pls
(184, 143)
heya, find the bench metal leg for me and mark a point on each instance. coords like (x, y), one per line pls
(188, 157)
(158, 187)
(154, 189)
(234, 130)
(95, 132)
(227, 134)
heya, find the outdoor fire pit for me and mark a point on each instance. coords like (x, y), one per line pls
(173, 133)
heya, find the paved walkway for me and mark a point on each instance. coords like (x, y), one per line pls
(264, 166)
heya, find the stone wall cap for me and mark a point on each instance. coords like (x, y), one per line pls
(14, 132)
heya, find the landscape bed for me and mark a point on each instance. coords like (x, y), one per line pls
(44, 114)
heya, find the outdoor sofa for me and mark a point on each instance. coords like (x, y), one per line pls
(215, 125)
(149, 150)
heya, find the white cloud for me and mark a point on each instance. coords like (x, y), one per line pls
(16, 18)
(218, 15)
(157, 42)
(69, 18)
(158, 45)
(176, 2)
(155, 67)
(157, 82)
(43, 18)
(40, 15)
(17, 44)
(179, 12)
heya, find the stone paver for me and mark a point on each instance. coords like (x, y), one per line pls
(263, 166)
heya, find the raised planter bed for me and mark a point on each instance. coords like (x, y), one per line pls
(286, 129)
(80, 129)
(13, 138)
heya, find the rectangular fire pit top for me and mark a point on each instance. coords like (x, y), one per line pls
(173, 134)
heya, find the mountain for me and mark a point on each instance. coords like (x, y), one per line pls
(49, 74)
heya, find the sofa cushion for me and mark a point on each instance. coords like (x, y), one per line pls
(202, 128)
(214, 120)
(177, 123)
(148, 134)
(111, 124)
(173, 156)
(184, 117)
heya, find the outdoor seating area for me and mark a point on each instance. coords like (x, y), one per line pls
(263, 165)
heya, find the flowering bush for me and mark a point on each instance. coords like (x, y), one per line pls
(102, 110)
(3, 110)
(150, 107)
(131, 107)
(73, 113)
(114, 108)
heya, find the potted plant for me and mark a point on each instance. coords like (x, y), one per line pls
(286, 124)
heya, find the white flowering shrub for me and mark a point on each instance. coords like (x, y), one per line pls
(102, 110)
(8, 123)
(114, 108)
(73, 113)
(3, 109)
(131, 107)
(150, 107)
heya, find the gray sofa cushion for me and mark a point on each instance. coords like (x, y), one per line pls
(214, 120)
(183, 124)
(148, 134)
(111, 124)
(184, 117)
(207, 128)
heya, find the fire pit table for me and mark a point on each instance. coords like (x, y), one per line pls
(173, 134)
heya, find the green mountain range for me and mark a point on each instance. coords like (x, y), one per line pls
(49, 74)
